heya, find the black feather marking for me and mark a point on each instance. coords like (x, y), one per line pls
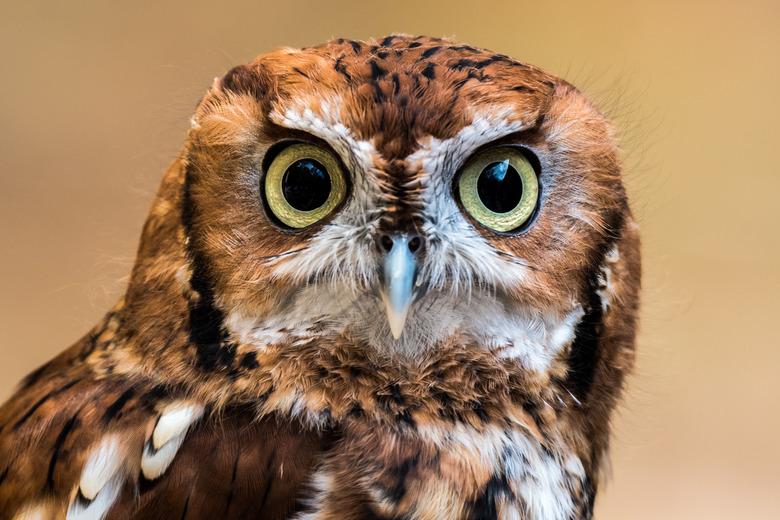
(379, 96)
(387, 41)
(341, 69)
(153, 396)
(116, 407)
(547, 451)
(249, 361)
(356, 46)
(269, 475)
(405, 417)
(233, 478)
(146, 486)
(32, 409)
(484, 507)
(377, 72)
(396, 83)
(465, 48)
(63, 435)
(395, 391)
(430, 52)
(206, 320)
(532, 409)
(463, 64)
(584, 349)
(457, 86)
(400, 473)
(480, 411)
(588, 497)
(299, 71)
(81, 500)
(186, 506)
(4, 474)
(484, 63)
(429, 71)
(355, 411)
(585, 352)
(42, 400)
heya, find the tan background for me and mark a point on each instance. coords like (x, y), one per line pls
(95, 99)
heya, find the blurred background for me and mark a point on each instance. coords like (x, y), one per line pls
(94, 103)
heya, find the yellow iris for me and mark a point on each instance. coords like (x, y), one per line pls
(304, 184)
(499, 188)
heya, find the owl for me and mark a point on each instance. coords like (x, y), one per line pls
(393, 279)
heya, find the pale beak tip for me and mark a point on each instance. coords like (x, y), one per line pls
(397, 323)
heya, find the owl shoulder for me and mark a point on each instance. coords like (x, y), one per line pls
(95, 445)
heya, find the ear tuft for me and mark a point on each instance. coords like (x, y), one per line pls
(244, 79)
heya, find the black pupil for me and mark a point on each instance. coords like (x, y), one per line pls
(499, 187)
(306, 185)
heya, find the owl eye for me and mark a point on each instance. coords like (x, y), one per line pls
(499, 189)
(304, 184)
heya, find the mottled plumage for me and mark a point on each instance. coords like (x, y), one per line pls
(258, 368)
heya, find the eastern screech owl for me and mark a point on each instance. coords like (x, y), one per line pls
(383, 279)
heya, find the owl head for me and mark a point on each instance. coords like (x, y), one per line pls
(406, 194)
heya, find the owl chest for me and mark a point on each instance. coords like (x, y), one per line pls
(451, 472)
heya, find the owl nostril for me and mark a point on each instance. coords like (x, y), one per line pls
(415, 243)
(385, 243)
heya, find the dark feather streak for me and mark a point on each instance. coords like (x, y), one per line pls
(116, 407)
(42, 400)
(63, 435)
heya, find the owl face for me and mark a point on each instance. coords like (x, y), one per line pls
(400, 196)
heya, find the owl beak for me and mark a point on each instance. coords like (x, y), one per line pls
(399, 271)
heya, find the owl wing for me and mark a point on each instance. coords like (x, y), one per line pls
(113, 447)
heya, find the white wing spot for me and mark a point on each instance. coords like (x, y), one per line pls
(102, 464)
(97, 508)
(101, 480)
(168, 436)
